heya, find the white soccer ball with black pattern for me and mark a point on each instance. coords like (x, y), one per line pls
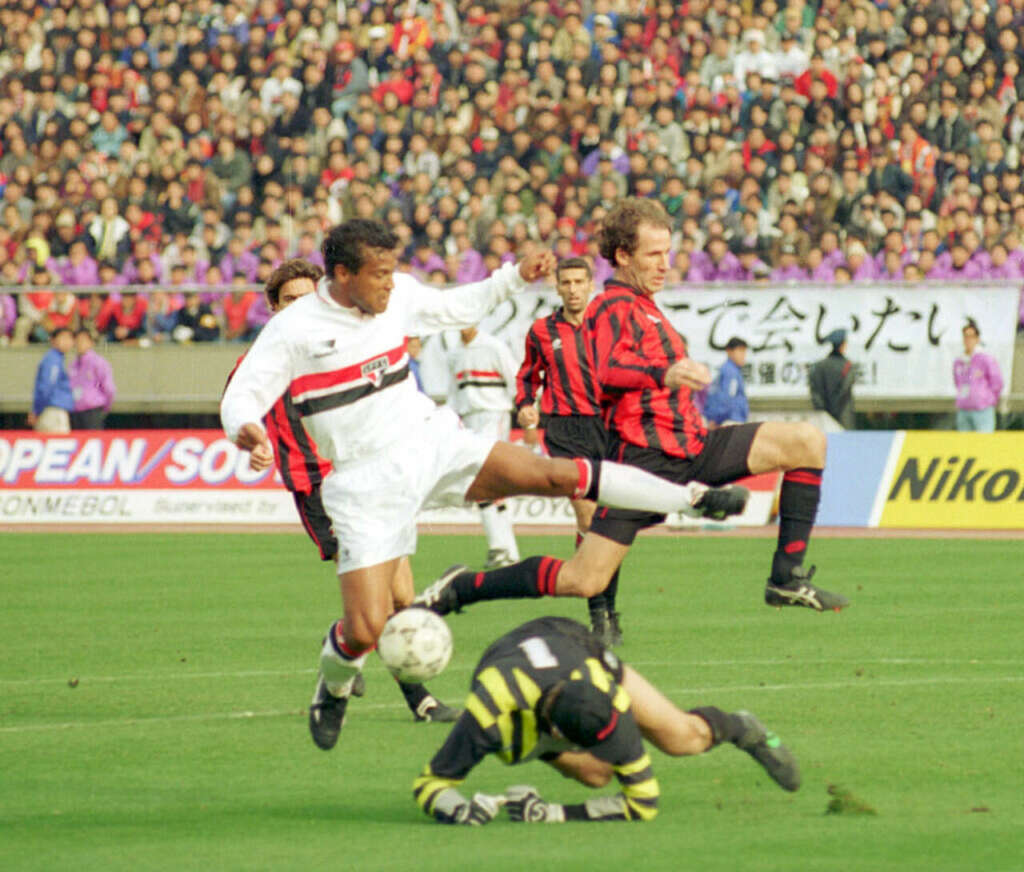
(416, 645)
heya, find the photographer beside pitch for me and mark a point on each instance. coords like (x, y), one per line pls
(550, 690)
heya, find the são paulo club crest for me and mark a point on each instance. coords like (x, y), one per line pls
(373, 370)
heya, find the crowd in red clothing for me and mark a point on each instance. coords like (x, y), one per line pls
(198, 142)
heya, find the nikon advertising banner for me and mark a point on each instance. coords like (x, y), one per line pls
(956, 480)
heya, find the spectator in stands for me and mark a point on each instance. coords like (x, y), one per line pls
(123, 317)
(726, 401)
(92, 384)
(34, 309)
(978, 384)
(235, 109)
(196, 321)
(52, 401)
(235, 307)
(831, 382)
(8, 315)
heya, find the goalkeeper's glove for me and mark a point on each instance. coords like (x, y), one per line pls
(451, 807)
(525, 805)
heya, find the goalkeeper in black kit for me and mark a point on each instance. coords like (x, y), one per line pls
(550, 690)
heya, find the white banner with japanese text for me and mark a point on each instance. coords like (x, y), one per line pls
(902, 339)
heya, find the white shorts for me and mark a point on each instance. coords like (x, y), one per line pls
(373, 503)
(486, 422)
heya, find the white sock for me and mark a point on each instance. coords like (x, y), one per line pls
(507, 532)
(338, 670)
(492, 526)
(627, 487)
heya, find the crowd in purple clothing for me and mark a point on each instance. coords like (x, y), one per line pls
(195, 144)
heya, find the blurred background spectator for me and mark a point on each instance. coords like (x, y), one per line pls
(52, 401)
(92, 384)
(978, 384)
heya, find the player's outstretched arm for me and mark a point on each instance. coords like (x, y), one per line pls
(259, 380)
(525, 805)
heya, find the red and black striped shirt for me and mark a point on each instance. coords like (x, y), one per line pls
(633, 345)
(300, 464)
(558, 359)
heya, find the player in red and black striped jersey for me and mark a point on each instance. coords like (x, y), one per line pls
(646, 379)
(559, 366)
(303, 469)
(549, 690)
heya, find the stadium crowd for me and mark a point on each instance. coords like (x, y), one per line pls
(197, 144)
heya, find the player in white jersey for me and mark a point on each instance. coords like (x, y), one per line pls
(340, 353)
(482, 393)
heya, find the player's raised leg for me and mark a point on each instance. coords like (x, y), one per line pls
(798, 449)
(511, 470)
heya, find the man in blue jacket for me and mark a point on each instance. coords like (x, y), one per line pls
(727, 396)
(52, 400)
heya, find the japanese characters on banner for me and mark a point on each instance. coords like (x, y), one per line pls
(902, 339)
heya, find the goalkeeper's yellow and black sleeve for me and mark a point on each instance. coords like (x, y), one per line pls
(467, 744)
(638, 801)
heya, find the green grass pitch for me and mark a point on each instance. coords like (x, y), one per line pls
(182, 743)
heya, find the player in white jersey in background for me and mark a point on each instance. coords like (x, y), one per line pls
(482, 392)
(341, 355)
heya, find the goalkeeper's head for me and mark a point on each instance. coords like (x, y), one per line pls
(579, 711)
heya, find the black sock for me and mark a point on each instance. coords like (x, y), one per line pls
(725, 727)
(597, 608)
(414, 694)
(530, 578)
(798, 506)
(611, 592)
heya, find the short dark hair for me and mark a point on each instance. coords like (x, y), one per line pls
(57, 331)
(621, 226)
(345, 245)
(971, 325)
(573, 263)
(735, 342)
(297, 268)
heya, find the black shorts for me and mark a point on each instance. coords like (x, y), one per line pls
(576, 436)
(723, 460)
(317, 523)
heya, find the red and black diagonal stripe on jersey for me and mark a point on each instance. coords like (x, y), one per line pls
(322, 391)
(479, 378)
(558, 358)
(301, 466)
(633, 346)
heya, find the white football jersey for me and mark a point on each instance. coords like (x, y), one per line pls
(483, 375)
(346, 371)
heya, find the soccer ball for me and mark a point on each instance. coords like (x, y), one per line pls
(416, 645)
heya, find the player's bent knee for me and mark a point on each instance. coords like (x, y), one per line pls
(575, 580)
(363, 629)
(813, 444)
